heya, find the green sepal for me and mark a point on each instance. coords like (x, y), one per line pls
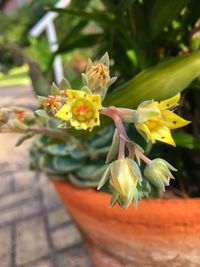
(64, 84)
(89, 65)
(104, 178)
(114, 147)
(84, 79)
(55, 90)
(41, 100)
(114, 199)
(105, 60)
(42, 114)
(19, 125)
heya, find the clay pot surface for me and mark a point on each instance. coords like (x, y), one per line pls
(160, 233)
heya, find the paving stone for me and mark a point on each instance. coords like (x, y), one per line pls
(31, 241)
(24, 179)
(8, 166)
(18, 197)
(51, 199)
(58, 216)
(5, 247)
(5, 183)
(76, 257)
(43, 179)
(20, 212)
(42, 264)
(31, 248)
(66, 237)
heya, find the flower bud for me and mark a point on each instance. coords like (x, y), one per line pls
(158, 173)
(4, 115)
(98, 77)
(125, 175)
(53, 104)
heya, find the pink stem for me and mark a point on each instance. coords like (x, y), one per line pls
(114, 113)
(121, 149)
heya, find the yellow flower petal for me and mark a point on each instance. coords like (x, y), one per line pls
(173, 121)
(72, 94)
(64, 113)
(144, 131)
(82, 109)
(170, 102)
(163, 134)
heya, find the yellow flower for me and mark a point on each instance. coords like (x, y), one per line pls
(81, 110)
(154, 120)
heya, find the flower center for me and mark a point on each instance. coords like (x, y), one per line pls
(83, 110)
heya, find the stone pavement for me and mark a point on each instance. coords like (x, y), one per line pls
(35, 230)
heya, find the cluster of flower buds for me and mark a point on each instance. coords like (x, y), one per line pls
(17, 117)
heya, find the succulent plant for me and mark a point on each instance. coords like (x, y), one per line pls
(68, 163)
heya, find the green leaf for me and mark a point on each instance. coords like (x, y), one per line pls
(77, 154)
(82, 183)
(72, 34)
(23, 138)
(82, 41)
(159, 82)
(92, 171)
(46, 164)
(162, 13)
(57, 149)
(66, 164)
(100, 16)
(186, 140)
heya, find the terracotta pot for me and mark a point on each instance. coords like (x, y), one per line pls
(160, 233)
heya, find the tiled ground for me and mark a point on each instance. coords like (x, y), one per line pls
(35, 230)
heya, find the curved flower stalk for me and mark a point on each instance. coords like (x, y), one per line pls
(81, 109)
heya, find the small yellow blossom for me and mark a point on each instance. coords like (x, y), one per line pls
(81, 110)
(155, 120)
